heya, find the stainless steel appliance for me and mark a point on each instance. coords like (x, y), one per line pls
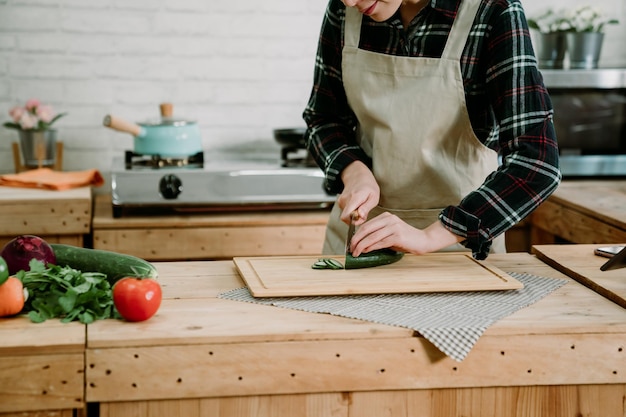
(590, 120)
(151, 184)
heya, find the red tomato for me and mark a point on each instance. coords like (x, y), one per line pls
(137, 299)
(11, 297)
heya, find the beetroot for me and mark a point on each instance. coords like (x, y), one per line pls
(19, 251)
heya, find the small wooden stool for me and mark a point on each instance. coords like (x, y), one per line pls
(17, 159)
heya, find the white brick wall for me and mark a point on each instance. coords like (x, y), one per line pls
(239, 67)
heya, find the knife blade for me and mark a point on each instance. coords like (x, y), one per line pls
(354, 216)
(617, 261)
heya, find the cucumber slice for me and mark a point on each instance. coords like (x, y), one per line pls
(327, 263)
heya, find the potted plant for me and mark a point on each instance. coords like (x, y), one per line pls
(33, 121)
(585, 36)
(550, 38)
(579, 31)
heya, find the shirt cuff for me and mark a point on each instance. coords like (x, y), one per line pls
(468, 226)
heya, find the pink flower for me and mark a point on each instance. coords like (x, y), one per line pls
(45, 113)
(32, 104)
(32, 116)
(16, 113)
(28, 121)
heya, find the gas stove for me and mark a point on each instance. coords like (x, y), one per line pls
(200, 183)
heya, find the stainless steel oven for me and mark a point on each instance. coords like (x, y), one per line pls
(590, 120)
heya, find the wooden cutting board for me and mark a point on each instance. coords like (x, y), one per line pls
(436, 272)
(580, 263)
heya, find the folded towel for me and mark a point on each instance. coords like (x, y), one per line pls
(53, 180)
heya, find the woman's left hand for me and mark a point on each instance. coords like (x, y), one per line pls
(389, 231)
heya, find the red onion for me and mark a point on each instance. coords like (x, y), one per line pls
(19, 251)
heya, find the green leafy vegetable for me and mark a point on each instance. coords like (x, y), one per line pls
(66, 293)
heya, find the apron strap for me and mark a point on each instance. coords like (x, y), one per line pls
(352, 28)
(456, 39)
(460, 29)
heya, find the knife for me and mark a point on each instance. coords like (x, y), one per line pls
(617, 261)
(354, 216)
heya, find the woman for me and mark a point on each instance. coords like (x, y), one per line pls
(413, 101)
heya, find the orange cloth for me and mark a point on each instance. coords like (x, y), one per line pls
(53, 180)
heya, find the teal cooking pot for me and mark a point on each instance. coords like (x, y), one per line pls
(166, 136)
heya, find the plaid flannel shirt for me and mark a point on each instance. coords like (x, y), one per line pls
(509, 108)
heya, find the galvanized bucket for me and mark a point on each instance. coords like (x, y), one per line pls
(38, 147)
(550, 50)
(584, 49)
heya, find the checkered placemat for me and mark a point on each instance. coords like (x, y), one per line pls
(452, 321)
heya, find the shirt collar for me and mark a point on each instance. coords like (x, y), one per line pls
(447, 7)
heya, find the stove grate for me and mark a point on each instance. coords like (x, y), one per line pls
(135, 160)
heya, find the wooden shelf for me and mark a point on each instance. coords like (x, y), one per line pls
(209, 236)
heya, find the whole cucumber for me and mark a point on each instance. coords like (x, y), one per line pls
(115, 265)
(374, 258)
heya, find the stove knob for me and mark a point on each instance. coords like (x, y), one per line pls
(170, 186)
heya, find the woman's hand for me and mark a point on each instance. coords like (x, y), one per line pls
(389, 231)
(361, 192)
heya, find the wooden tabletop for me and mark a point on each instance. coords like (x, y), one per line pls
(45, 212)
(41, 366)
(257, 346)
(604, 200)
(190, 290)
(578, 262)
(583, 211)
(211, 347)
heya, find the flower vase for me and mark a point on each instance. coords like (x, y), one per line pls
(551, 50)
(584, 49)
(38, 147)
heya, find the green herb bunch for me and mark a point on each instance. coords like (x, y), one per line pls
(66, 293)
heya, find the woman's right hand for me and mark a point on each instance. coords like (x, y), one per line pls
(361, 192)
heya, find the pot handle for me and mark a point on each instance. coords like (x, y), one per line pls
(167, 110)
(122, 125)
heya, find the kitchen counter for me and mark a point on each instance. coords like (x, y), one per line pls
(563, 356)
(582, 211)
(202, 355)
(56, 216)
(210, 236)
(42, 368)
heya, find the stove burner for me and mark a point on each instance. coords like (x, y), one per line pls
(136, 160)
(296, 157)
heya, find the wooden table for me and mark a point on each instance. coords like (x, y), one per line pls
(42, 368)
(209, 236)
(56, 216)
(611, 284)
(563, 356)
(582, 211)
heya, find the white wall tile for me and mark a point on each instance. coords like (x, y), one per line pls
(239, 67)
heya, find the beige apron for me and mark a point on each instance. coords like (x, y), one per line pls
(414, 124)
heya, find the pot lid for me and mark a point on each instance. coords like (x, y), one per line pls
(166, 121)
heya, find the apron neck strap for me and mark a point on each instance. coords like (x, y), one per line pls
(460, 29)
(456, 39)
(352, 27)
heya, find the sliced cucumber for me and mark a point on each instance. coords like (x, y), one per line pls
(327, 263)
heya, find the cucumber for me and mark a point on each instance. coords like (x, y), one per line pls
(374, 258)
(115, 265)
